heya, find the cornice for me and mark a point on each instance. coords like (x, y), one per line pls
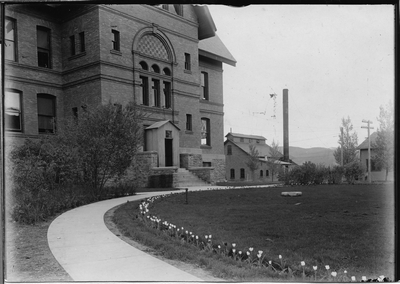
(212, 111)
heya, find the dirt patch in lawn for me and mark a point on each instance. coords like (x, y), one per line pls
(28, 256)
(189, 268)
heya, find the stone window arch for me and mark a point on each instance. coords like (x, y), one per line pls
(144, 65)
(155, 68)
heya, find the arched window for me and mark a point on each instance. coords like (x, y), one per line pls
(261, 173)
(242, 174)
(229, 150)
(232, 173)
(267, 173)
(155, 68)
(166, 71)
(144, 65)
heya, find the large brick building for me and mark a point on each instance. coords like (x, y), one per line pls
(62, 58)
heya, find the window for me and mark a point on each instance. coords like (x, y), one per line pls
(72, 44)
(43, 47)
(155, 68)
(229, 150)
(46, 105)
(9, 39)
(232, 173)
(156, 92)
(261, 173)
(258, 141)
(204, 85)
(187, 62)
(206, 164)
(144, 65)
(167, 71)
(145, 90)
(12, 110)
(242, 173)
(165, 6)
(178, 9)
(115, 40)
(167, 94)
(267, 173)
(82, 41)
(189, 122)
(205, 132)
(75, 112)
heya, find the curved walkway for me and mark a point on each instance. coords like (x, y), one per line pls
(89, 251)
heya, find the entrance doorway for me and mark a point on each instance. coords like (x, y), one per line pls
(168, 153)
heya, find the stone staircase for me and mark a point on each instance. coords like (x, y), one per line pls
(185, 178)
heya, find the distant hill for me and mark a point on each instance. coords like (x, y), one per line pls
(316, 155)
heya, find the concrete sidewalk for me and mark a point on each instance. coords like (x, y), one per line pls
(89, 251)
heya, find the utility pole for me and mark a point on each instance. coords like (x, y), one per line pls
(369, 147)
(341, 146)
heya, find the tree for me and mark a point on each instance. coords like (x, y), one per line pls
(350, 143)
(273, 159)
(384, 143)
(108, 137)
(253, 161)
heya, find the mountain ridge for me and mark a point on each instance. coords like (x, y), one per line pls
(316, 155)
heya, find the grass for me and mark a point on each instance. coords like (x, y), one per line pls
(346, 227)
(27, 255)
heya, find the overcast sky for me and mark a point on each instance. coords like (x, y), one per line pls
(336, 61)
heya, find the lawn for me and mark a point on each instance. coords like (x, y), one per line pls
(346, 227)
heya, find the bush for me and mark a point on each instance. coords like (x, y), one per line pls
(352, 171)
(335, 175)
(57, 172)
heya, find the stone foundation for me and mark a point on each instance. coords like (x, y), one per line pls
(204, 173)
(189, 160)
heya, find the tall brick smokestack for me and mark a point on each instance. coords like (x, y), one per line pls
(285, 125)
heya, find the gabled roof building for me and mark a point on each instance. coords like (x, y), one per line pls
(62, 58)
(237, 151)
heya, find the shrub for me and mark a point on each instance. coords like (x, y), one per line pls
(352, 171)
(335, 175)
(57, 172)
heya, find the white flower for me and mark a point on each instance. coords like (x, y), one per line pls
(187, 232)
(364, 278)
(233, 245)
(280, 257)
(345, 271)
(219, 246)
(334, 273)
(233, 250)
(197, 237)
(270, 262)
(206, 237)
(250, 249)
(209, 236)
(248, 253)
(353, 278)
(315, 267)
(190, 233)
(302, 263)
(381, 278)
(240, 252)
(327, 267)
